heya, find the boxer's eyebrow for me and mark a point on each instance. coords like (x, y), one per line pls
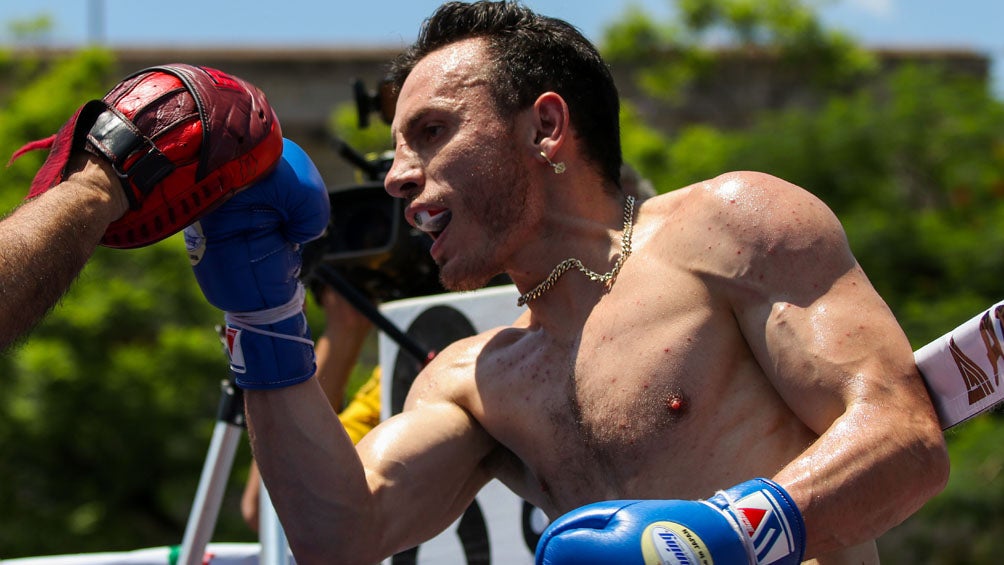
(409, 125)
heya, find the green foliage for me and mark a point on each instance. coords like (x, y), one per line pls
(962, 525)
(41, 103)
(635, 38)
(375, 138)
(787, 28)
(915, 171)
(106, 411)
(688, 50)
(30, 29)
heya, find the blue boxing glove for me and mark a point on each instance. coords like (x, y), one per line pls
(246, 257)
(753, 523)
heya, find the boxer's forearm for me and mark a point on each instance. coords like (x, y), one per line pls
(877, 463)
(46, 242)
(313, 474)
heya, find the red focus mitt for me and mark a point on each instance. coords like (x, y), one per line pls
(182, 139)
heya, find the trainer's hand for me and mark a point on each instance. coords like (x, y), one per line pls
(755, 523)
(246, 257)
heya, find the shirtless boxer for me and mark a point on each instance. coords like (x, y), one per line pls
(735, 351)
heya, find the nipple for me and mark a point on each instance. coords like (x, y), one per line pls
(675, 403)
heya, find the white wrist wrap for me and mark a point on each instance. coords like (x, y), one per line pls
(248, 320)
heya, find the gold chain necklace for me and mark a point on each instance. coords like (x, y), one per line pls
(607, 278)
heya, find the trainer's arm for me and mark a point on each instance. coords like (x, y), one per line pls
(414, 473)
(837, 356)
(47, 240)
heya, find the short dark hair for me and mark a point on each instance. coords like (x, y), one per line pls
(531, 54)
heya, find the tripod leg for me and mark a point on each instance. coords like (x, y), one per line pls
(274, 547)
(215, 472)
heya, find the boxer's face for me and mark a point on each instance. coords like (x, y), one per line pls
(460, 166)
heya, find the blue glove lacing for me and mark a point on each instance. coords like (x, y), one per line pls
(248, 320)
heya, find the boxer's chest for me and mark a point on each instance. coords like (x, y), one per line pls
(609, 413)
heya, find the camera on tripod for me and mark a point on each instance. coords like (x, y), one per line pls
(368, 242)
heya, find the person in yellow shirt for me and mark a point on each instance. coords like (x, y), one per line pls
(363, 412)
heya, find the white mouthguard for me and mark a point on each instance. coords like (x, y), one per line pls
(432, 221)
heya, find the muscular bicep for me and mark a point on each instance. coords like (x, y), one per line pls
(819, 330)
(838, 359)
(838, 348)
(424, 467)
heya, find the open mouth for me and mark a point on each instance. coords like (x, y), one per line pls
(432, 222)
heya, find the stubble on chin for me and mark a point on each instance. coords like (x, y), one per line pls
(461, 278)
(499, 217)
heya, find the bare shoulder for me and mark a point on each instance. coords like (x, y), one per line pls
(752, 205)
(449, 377)
(743, 224)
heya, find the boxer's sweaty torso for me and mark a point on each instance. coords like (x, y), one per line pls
(656, 395)
(655, 399)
